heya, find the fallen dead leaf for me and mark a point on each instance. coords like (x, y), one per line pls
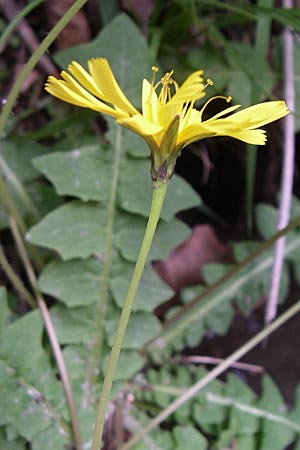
(185, 263)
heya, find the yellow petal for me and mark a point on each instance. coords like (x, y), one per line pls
(222, 127)
(85, 79)
(149, 101)
(104, 78)
(260, 114)
(191, 90)
(140, 125)
(166, 112)
(193, 133)
(70, 91)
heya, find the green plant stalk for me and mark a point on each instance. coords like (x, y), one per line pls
(50, 332)
(158, 195)
(96, 347)
(213, 374)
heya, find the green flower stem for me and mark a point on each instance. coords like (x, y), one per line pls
(158, 196)
(213, 374)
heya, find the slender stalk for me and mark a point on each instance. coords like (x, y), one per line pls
(212, 375)
(287, 176)
(15, 280)
(158, 196)
(50, 332)
(5, 194)
(33, 60)
(96, 347)
(8, 202)
(14, 22)
(212, 398)
(12, 179)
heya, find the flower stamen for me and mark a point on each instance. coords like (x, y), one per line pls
(166, 81)
(154, 72)
(223, 97)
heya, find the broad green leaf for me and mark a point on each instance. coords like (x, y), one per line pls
(152, 290)
(206, 412)
(273, 436)
(8, 443)
(4, 309)
(16, 159)
(141, 328)
(30, 197)
(246, 442)
(75, 282)
(266, 217)
(75, 230)
(53, 439)
(189, 436)
(84, 173)
(241, 422)
(181, 380)
(129, 236)
(159, 439)
(195, 333)
(129, 363)
(134, 145)
(135, 191)
(212, 272)
(123, 44)
(30, 390)
(220, 318)
(73, 325)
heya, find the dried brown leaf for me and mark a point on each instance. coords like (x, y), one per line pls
(184, 265)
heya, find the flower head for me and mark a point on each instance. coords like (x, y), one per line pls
(169, 120)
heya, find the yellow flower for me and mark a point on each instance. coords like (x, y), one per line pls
(169, 120)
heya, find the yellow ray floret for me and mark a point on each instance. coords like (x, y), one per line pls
(169, 120)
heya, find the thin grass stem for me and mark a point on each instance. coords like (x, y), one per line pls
(50, 332)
